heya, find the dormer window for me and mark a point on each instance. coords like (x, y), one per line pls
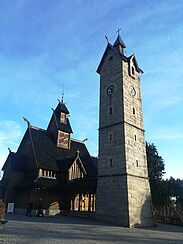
(63, 118)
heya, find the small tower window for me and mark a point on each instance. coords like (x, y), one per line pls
(110, 162)
(110, 137)
(133, 71)
(63, 118)
(134, 111)
(110, 110)
(135, 137)
(137, 163)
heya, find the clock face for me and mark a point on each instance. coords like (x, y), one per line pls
(132, 91)
(110, 90)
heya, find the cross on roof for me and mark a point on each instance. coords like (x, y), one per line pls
(119, 29)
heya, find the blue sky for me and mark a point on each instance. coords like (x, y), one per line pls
(45, 44)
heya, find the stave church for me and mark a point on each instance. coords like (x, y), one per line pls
(50, 165)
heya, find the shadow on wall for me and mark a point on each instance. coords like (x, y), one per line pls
(146, 215)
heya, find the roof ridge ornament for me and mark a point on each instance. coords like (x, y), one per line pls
(107, 39)
(86, 139)
(26, 120)
(9, 150)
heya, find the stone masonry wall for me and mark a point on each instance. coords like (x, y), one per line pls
(123, 192)
(111, 198)
(139, 196)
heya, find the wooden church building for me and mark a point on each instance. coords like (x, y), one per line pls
(51, 166)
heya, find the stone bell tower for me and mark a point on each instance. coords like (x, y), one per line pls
(123, 191)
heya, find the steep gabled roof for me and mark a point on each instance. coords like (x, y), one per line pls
(44, 149)
(55, 119)
(132, 57)
(38, 150)
(7, 163)
(109, 46)
(48, 156)
(65, 162)
(15, 161)
(119, 41)
(61, 107)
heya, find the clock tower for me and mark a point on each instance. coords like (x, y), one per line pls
(123, 191)
(59, 128)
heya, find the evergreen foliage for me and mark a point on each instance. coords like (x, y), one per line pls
(162, 190)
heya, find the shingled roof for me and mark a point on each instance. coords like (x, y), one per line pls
(38, 149)
(15, 162)
(49, 156)
(119, 41)
(55, 119)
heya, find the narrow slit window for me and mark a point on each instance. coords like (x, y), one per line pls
(133, 71)
(110, 162)
(110, 137)
(134, 111)
(135, 137)
(137, 163)
(110, 110)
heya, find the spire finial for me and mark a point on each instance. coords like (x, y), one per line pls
(62, 94)
(119, 29)
(9, 150)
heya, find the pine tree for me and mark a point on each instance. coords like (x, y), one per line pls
(156, 171)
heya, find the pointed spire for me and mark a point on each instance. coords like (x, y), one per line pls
(119, 41)
(119, 44)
